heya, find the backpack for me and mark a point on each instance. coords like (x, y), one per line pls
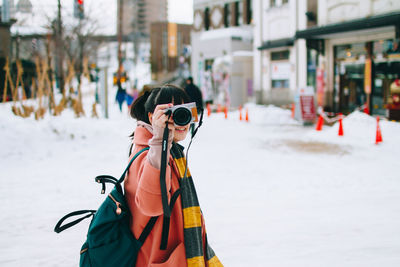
(110, 241)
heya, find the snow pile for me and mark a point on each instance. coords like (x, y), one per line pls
(359, 132)
(270, 115)
(357, 127)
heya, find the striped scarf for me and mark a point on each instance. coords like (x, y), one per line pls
(192, 217)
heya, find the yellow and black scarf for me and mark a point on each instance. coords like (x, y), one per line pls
(192, 217)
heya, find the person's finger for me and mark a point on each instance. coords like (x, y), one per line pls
(160, 122)
(162, 107)
(159, 110)
(157, 115)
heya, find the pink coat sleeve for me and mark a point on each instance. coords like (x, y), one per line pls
(144, 176)
(148, 191)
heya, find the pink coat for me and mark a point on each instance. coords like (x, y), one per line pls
(143, 194)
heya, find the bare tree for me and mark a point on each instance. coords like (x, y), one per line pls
(77, 40)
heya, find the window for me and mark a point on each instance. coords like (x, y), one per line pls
(227, 15)
(274, 3)
(238, 13)
(207, 19)
(280, 69)
(249, 12)
(280, 84)
(280, 55)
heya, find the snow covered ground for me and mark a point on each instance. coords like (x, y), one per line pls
(274, 193)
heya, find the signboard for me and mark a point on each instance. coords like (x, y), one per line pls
(367, 76)
(307, 106)
(172, 40)
(280, 71)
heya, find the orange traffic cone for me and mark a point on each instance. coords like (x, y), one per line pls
(208, 110)
(340, 125)
(320, 123)
(293, 109)
(226, 112)
(247, 114)
(240, 113)
(378, 138)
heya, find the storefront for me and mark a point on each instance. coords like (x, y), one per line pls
(357, 74)
(361, 62)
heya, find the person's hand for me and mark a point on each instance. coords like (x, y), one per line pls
(159, 118)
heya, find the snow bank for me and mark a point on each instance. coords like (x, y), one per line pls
(360, 131)
(270, 115)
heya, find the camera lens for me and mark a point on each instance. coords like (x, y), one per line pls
(182, 116)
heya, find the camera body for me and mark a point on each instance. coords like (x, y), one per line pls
(183, 114)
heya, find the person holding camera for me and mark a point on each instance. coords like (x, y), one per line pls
(178, 237)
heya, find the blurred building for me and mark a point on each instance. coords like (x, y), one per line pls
(5, 38)
(170, 44)
(6, 20)
(138, 15)
(5, 48)
(279, 61)
(222, 57)
(347, 51)
(353, 53)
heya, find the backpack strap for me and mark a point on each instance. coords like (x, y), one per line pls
(100, 179)
(103, 179)
(58, 228)
(147, 229)
(130, 163)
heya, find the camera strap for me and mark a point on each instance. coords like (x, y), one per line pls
(164, 195)
(200, 122)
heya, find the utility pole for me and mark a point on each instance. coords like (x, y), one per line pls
(136, 37)
(119, 39)
(59, 52)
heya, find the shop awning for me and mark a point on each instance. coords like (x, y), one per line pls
(7, 24)
(390, 19)
(277, 43)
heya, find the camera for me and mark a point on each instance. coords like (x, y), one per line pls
(183, 114)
